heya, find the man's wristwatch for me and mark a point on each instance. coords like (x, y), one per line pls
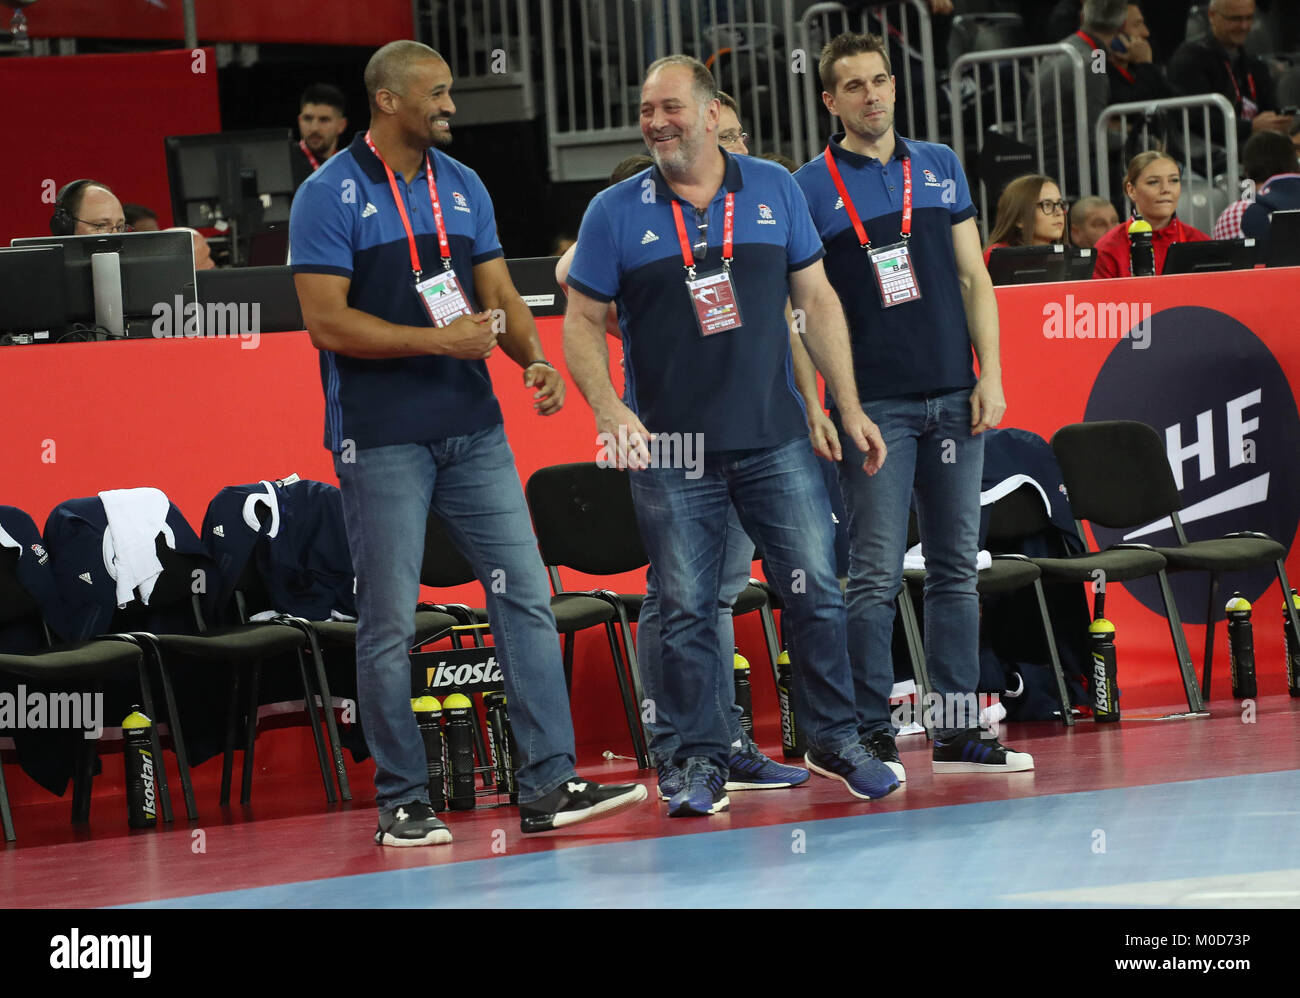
(544, 363)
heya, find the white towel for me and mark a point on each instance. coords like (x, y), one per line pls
(8, 542)
(268, 499)
(914, 560)
(135, 518)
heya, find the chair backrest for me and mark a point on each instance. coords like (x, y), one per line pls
(444, 565)
(1017, 514)
(1116, 472)
(584, 518)
(174, 593)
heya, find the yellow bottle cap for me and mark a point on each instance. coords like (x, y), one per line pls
(1237, 603)
(425, 703)
(1139, 225)
(1101, 626)
(740, 662)
(135, 720)
(457, 701)
(783, 658)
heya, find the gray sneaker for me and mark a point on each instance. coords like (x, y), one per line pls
(412, 824)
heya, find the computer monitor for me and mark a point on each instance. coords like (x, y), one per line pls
(1040, 264)
(1284, 239)
(534, 279)
(241, 179)
(156, 279)
(271, 289)
(1214, 254)
(33, 305)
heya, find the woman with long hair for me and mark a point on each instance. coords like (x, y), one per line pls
(1030, 213)
(1153, 183)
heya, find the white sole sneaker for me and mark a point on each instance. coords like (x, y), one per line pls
(1017, 762)
(436, 837)
(604, 809)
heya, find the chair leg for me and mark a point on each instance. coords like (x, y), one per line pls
(488, 775)
(313, 721)
(327, 704)
(1212, 606)
(1194, 702)
(770, 639)
(178, 736)
(155, 739)
(567, 644)
(250, 732)
(633, 669)
(6, 816)
(629, 708)
(232, 733)
(82, 781)
(1062, 691)
(916, 651)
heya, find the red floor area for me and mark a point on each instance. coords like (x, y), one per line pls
(288, 833)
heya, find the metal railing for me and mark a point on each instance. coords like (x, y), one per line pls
(487, 46)
(821, 22)
(1025, 93)
(594, 54)
(1202, 209)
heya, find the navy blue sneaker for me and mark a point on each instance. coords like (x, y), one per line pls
(703, 793)
(881, 744)
(971, 751)
(866, 776)
(671, 780)
(750, 769)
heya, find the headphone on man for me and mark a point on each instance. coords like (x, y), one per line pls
(63, 222)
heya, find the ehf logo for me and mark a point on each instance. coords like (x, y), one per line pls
(459, 202)
(930, 177)
(41, 556)
(765, 215)
(1222, 404)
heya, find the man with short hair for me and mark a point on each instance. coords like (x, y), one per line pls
(392, 240)
(322, 119)
(903, 252)
(1219, 64)
(140, 218)
(1090, 219)
(731, 135)
(701, 272)
(1268, 158)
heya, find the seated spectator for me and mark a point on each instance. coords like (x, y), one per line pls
(1153, 183)
(1090, 219)
(322, 119)
(140, 218)
(1218, 64)
(1102, 21)
(1268, 156)
(1133, 73)
(87, 208)
(785, 161)
(1279, 192)
(1030, 213)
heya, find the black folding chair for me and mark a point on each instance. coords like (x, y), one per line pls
(1118, 475)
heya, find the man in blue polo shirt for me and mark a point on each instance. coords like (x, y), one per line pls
(391, 242)
(700, 254)
(903, 251)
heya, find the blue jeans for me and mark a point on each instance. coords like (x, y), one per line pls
(780, 497)
(932, 455)
(472, 483)
(737, 561)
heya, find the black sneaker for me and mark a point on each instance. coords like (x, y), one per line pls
(577, 800)
(881, 744)
(412, 824)
(970, 752)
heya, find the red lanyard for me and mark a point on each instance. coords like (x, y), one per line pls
(906, 227)
(1250, 82)
(315, 163)
(688, 254)
(443, 246)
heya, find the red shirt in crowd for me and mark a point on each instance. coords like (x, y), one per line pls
(1112, 248)
(989, 252)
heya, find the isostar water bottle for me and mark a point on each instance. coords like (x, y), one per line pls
(792, 746)
(460, 751)
(501, 745)
(1241, 648)
(428, 715)
(744, 694)
(1292, 648)
(1105, 690)
(141, 786)
(1141, 252)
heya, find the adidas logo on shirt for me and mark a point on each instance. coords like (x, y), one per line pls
(839, 203)
(85, 577)
(648, 238)
(369, 210)
(218, 531)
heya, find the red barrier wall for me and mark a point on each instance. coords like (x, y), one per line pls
(190, 416)
(99, 116)
(326, 22)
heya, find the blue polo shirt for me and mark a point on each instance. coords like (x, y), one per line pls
(344, 221)
(920, 347)
(737, 387)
